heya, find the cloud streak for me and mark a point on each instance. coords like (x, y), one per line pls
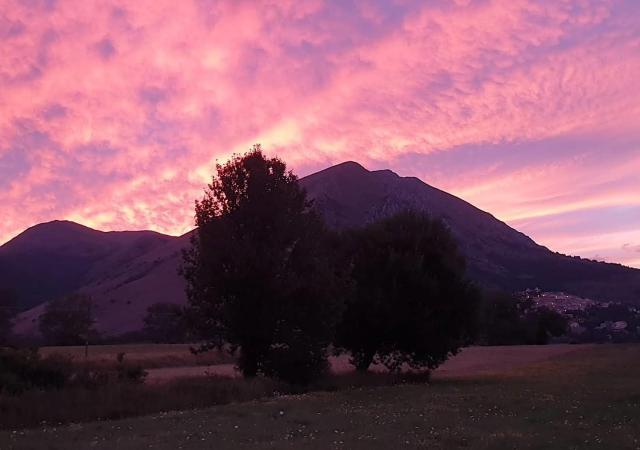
(114, 114)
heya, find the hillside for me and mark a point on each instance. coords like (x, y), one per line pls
(498, 256)
(124, 284)
(126, 272)
(51, 259)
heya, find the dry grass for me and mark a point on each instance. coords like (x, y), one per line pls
(148, 356)
(586, 399)
(119, 400)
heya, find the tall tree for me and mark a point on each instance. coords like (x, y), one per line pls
(68, 320)
(258, 274)
(411, 302)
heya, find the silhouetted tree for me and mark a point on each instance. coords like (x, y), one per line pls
(411, 303)
(68, 320)
(165, 322)
(501, 320)
(258, 274)
(8, 309)
(509, 320)
(543, 324)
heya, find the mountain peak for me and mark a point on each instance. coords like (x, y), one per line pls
(47, 233)
(349, 168)
(350, 165)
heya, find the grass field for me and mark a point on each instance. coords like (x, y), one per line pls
(588, 398)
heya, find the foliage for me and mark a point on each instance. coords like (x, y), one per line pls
(597, 323)
(8, 309)
(165, 323)
(22, 370)
(258, 273)
(68, 320)
(131, 373)
(411, 303)
(509, 320)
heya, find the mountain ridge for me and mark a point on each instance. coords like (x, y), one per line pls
(126, 272)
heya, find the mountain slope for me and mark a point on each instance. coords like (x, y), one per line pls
(123, 285)
(55, 258)
(498, 256)
(125, 272)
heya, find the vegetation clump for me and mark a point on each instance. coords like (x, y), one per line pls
(411, 303)
(508, 320)
(8, 309)
(259, 275)
(68, 320)
(165, 323)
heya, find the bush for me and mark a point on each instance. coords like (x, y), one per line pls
(507, 320)
(26, 370)
(131, 373)
(23, 370)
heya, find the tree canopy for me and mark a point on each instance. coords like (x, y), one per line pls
(411, 303)
(68, 320)
(506, 319)
(8, 309)
(165, 322)
(258, 274)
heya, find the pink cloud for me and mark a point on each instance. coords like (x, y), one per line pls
(113, 114)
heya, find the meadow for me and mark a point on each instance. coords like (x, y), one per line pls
(148, 356)
(585, 397)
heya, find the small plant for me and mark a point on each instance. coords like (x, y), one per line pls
(130, 373)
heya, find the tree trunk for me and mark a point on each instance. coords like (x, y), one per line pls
(363, 360)
(248, 363)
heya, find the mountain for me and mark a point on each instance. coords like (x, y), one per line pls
(497, 255)
(54, 258)
(125, 272)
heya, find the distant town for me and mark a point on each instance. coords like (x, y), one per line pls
(589, 320)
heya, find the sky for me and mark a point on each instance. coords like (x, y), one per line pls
(114, 113)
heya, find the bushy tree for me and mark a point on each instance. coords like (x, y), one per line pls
(543, 324)
(411, 303)
(68, 320)
(165, 322)
(509, 320)
(8, 309)
(258, 274)
(501, 320)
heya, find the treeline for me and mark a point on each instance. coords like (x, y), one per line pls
(267, 279)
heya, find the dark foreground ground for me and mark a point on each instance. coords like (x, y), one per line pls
(588, 398)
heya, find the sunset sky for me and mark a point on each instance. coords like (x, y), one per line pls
(113, 113)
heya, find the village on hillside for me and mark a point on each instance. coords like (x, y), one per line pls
(589, 320)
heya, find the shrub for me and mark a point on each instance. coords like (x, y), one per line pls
(131, 373)
(507, 320)
(23, 370)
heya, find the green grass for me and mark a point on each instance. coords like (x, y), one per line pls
(587, 399)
